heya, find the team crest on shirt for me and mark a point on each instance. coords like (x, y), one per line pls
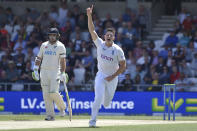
(104, 49)
(55, 47)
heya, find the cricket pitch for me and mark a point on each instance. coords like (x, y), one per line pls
(79, 123)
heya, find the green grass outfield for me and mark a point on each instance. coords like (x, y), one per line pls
(41, 117)
(174, 127)
(153, 127)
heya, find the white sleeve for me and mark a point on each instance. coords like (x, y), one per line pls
(121, 56)
(62, 52)
(40, 53)
(98, 42)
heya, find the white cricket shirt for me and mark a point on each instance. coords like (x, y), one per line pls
(108, 57)
(51, 55)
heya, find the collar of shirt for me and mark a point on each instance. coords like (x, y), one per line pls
(52, 44)
(107, 47)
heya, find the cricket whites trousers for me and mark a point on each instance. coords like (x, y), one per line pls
(104, 93)
(50, 90)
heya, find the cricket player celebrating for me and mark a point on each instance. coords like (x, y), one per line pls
(52, 56)
(111, 63)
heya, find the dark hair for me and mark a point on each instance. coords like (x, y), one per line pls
(111, 30)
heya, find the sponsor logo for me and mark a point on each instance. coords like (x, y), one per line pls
(30, 103)
(122, 57)
(1, 101)
(113, 105)
(191, 107)
(106, 57)
(50, 53)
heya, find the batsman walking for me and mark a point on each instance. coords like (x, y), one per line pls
(52, 56)
(111, 63)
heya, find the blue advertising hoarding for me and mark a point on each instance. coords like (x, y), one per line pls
(128, 103)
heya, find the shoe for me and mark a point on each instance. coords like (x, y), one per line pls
(92, 123)
(62, 113)
(49, 118)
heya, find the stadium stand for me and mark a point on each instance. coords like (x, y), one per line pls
(169, 59)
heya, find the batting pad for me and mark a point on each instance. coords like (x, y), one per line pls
(57, 98)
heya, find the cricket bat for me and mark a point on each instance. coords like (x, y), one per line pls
(68, 101)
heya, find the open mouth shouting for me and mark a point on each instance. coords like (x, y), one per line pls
(108, 39)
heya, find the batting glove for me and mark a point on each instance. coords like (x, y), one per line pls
(35, 74)
(64, 77)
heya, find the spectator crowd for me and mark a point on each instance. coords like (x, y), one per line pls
(175, 61)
